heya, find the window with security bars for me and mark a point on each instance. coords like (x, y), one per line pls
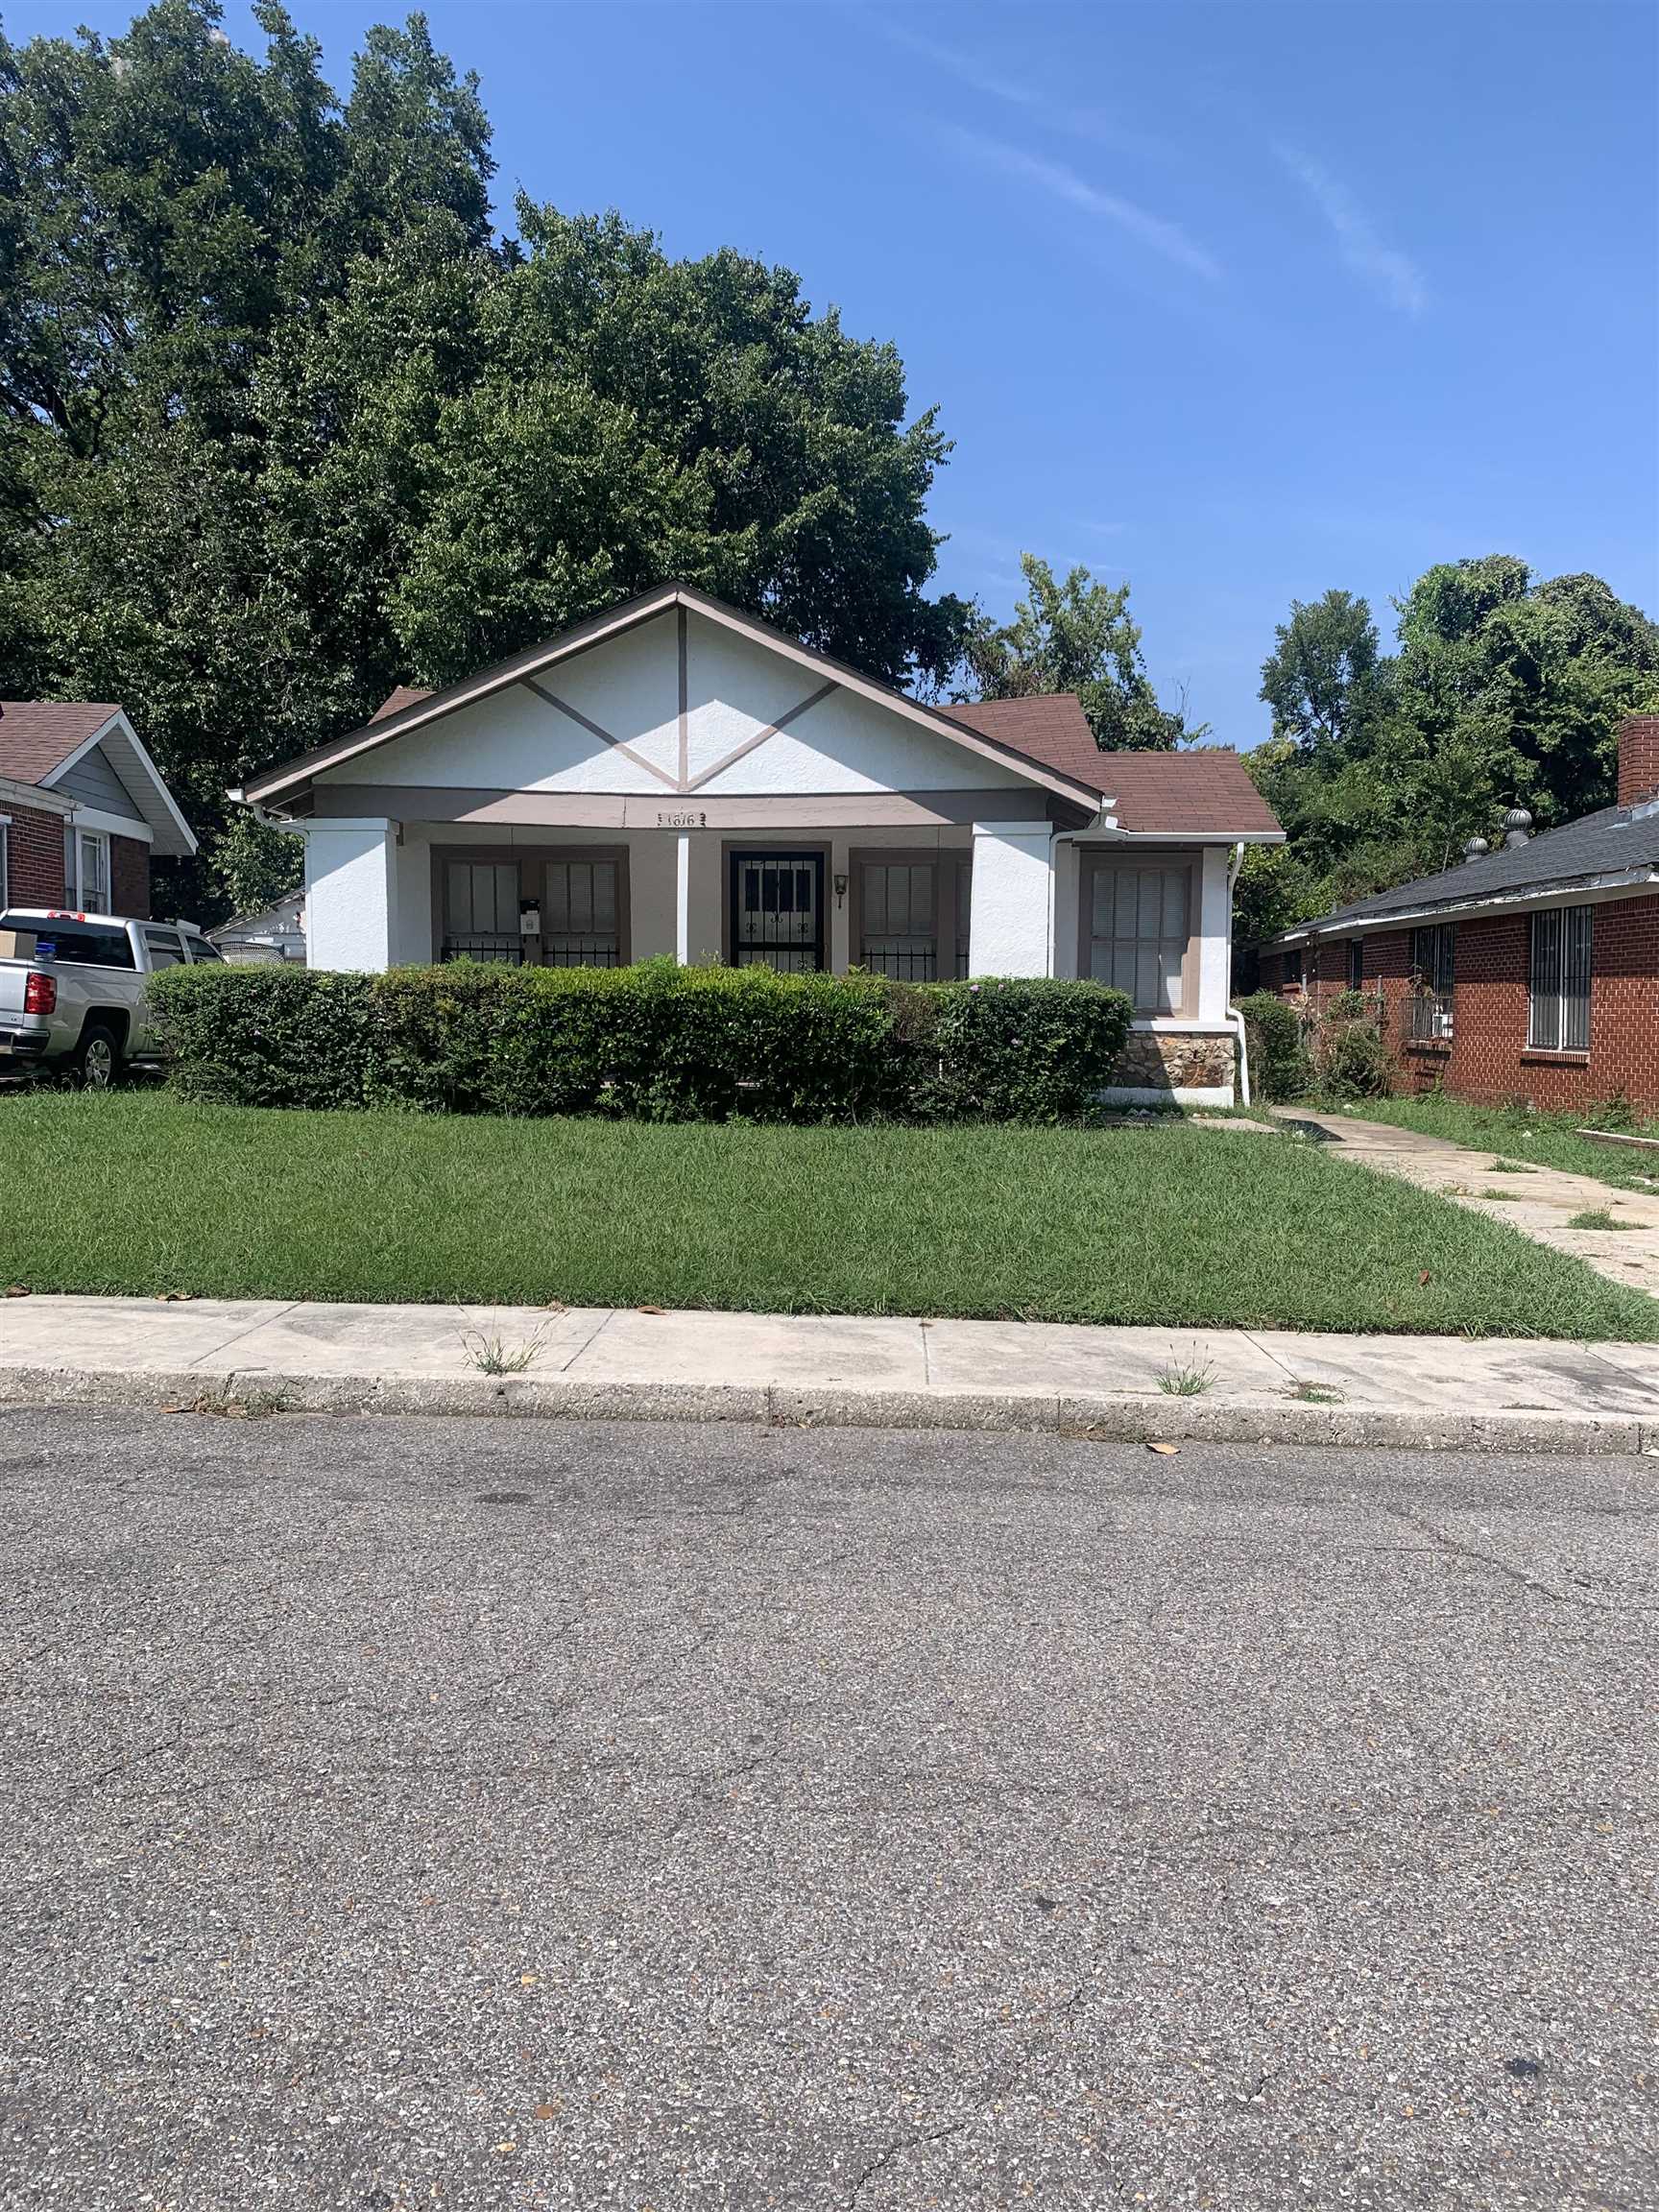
(1559, 1002)
(1434, 975)
(899, 914)
(581, 921)
(481, 911)
(1140, 929)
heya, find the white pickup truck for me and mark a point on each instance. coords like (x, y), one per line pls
(72, 989)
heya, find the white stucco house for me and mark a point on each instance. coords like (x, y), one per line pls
(675, 777)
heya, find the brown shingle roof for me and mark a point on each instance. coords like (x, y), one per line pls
(1204, 792)
(39, 735)
(394, 702)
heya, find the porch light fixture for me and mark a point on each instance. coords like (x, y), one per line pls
(840, 889)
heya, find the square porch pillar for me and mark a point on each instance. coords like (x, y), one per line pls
(1011, 915)
(350, 893)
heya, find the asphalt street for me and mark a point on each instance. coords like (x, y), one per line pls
(476, 1813)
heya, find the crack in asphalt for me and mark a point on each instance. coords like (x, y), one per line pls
(898, 2149)
(1473, 1552)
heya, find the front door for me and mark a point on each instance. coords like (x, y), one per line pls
(778, 911)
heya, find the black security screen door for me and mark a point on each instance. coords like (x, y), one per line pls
(778, 911)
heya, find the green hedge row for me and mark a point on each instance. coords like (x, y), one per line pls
(655, 1041)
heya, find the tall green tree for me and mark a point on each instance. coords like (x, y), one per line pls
(1322, 677)
(1072, 634)
(283, 419)
(1505, 690)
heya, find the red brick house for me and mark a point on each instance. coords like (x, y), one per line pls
(83, 808)
(1529, 972)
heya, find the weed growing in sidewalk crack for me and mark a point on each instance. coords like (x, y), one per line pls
(1189, 1379)
(491, 1355)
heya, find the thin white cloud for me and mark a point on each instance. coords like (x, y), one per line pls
(1154, 231)
(980, 75)
(1392, 275)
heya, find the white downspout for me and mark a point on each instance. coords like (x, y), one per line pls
(1234, 1018)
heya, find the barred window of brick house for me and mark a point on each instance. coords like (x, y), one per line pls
(1355, 963)
(1559, 1002)
(1433, 969)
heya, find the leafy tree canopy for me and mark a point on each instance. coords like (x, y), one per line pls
(1071, 635)
(1505, 690)
(1322, 673)
(285, 420)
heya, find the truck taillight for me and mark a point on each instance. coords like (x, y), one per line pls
(40, 994)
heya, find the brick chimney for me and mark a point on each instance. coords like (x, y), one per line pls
(1638, 758)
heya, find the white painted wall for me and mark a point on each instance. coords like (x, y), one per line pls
(410, 935)
(350, 893)
(1011, 916)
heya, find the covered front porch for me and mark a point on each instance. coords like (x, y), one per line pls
(920, 902)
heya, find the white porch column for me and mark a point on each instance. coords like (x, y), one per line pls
(683, 896)
(1010, 924)
(350, 893)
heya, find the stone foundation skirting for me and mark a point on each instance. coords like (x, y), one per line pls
(1180, 1067)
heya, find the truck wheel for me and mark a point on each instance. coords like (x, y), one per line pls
(96, 1061)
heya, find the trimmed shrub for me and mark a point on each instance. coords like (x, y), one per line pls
(1009, 1050)
(654, 1042)
(265, 1036)
(1279, 1065)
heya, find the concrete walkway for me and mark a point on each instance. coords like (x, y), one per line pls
(1541, 1201)
(1261, 1386)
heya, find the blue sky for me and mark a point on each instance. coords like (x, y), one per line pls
(1239, 301)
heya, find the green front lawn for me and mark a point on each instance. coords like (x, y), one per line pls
(1536, 1139)
(1171, 1225)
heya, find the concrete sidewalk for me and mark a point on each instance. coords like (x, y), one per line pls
(1260, 1386)
(1541, 1202)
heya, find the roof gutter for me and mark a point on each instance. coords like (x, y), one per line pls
(1566, 892)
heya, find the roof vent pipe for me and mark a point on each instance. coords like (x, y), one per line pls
(1516, 824)
(1476, 849)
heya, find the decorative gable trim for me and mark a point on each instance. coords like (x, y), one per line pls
(277, 786)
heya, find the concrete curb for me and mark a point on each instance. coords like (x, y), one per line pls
(1104, 1416)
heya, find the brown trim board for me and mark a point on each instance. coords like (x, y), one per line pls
(667, 811)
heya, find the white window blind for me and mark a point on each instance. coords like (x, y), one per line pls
(1558, 1004)
(899, 921)
(581, 926)
(1139, 926)
(481, 910)
(92, 871)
